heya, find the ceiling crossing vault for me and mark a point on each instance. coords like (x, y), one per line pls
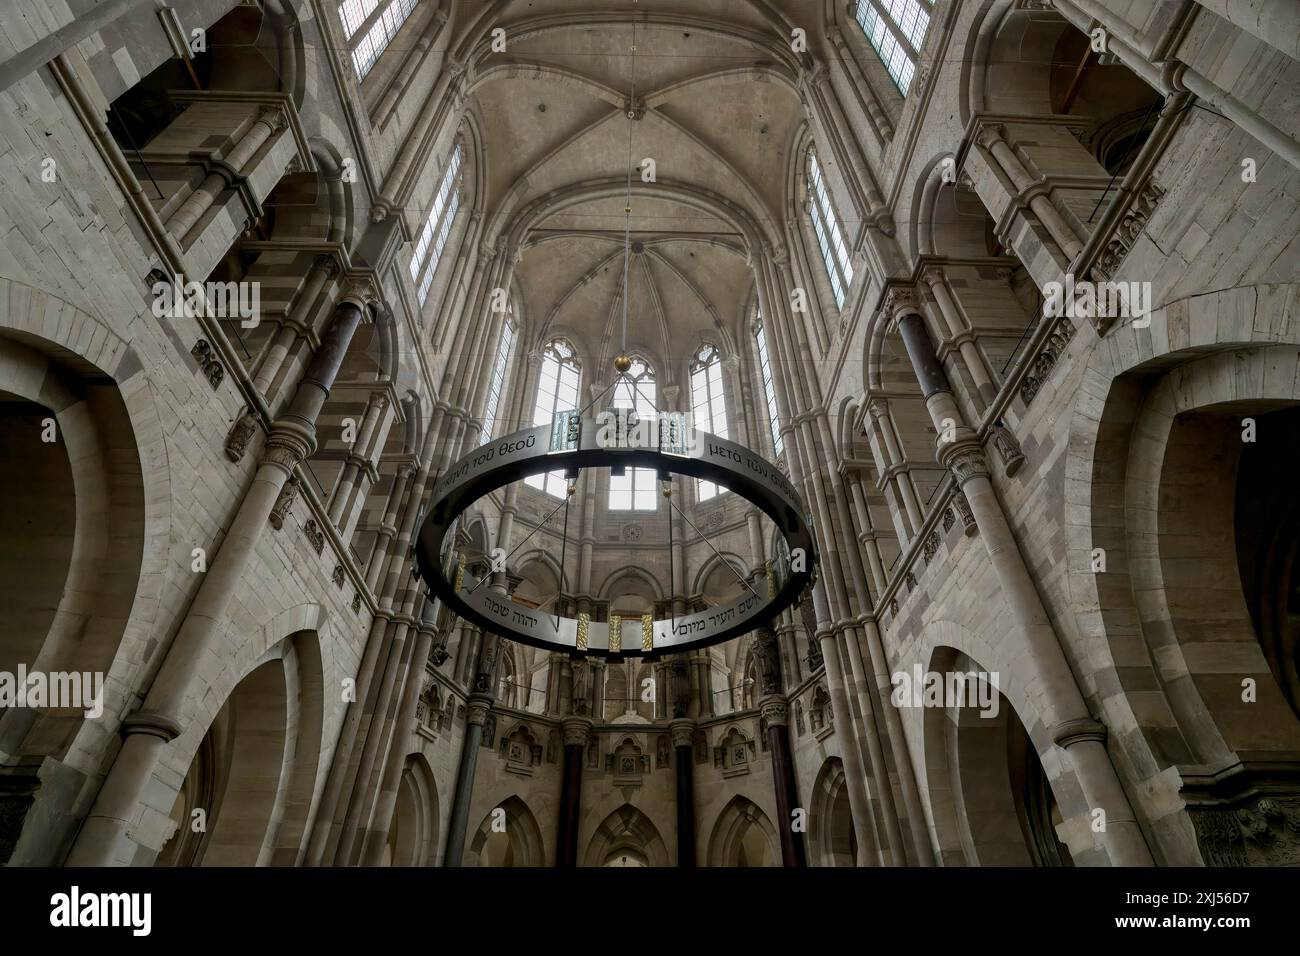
(706, 136)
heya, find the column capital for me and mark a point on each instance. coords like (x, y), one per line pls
(775, 710)
(576, 730)
(899, 300)
(932, 275)
(966, 460)
(477, 708)
(683, 732)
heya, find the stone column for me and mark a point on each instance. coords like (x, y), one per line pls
(477, 708)
(683, 733)
(1063, 708)
(376, 834)
(268, 122)
(577, 731)
(992, 138)
(775, 710)
(961, 335)
(108, 835)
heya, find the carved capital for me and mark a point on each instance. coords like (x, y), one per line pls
(898, 300)
(776, 711)
(576, 730)
(966, 461)
(477, 709)
(683, 732)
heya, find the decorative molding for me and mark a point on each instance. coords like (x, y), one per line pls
(1041, 367)
(315, 535)
(1008, 449)
(212, 369)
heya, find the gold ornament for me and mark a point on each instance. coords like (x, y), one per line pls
(622, 363)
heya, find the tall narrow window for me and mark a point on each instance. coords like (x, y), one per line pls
(896, 28)
(437, 227)
(635, 488)
(369, 29)
(557, 391)
(499, 366)
(829, 238)
(708, 406)
(769, 391)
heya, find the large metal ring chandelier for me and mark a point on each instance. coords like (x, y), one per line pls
(614, 440)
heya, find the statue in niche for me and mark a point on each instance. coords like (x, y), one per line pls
(681, 686)
(767, 661)
(487, 666)
(581, 693)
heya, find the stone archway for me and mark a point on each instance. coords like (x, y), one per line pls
(627, 837)
(508, 836)
(743, 836)
(413, 834)
(246, 798)
(991, 801)
(832, 839)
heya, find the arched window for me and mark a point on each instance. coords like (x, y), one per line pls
(769, 389)
(369, 26)
(437, 227)
(896, 28)
(634, 490)
(557, 391)
(499, 366)
(829, 238)
(708, 406)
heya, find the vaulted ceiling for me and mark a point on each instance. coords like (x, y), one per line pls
(717, 111)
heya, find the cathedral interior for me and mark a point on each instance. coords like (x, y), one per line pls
(1001, 297)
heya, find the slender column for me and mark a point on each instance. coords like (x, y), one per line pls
(389, 526)
(106, 836)
(358, 456)
(296, 323)
(269, 122)
(775, 710)
(901, 480)
(477, 708)
(377, 835)
(990, 137)
(1063, 708)
(867, 533)
(683, 734)
(960, 333)
(577, 731)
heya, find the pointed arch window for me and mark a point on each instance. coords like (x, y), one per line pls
(769, 388)
(896, 28)
(437, 227)
(557, 391)
(499, 366)
(635, 490)
(369, 26)
(708, 406)
(830, 240)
